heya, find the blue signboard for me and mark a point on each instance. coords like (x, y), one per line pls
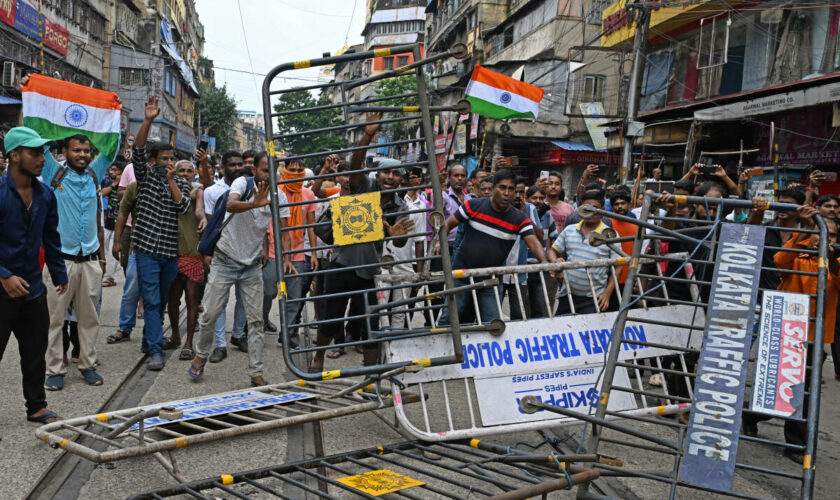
(711, 447)
(26, 19)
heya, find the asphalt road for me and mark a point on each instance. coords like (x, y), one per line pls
(24, 459)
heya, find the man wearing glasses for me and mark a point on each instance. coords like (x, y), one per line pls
(161, 197)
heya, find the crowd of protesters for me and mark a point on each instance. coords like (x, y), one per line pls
(73, 221)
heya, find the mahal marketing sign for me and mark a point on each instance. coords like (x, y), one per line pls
(712, 436)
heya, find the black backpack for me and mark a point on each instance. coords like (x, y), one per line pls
(213, 231)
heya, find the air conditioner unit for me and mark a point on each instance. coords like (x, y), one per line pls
(8, 74)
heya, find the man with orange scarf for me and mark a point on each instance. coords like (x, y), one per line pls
(301, 213)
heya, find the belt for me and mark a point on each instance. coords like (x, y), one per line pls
(80, 258)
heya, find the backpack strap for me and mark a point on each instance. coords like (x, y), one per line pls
(62, 173)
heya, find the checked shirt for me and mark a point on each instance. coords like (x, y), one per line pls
(156, 227)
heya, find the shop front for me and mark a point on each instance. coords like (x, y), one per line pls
(571, 158)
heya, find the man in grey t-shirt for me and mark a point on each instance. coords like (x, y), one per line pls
(238, 260)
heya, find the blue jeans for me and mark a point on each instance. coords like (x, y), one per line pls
(156, 275)
(130, 297)
(486, 302)
(536, 296)
(239, 321)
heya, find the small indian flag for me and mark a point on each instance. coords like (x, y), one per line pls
(495, 95)
(57, 109)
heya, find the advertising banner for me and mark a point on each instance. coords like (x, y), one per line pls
(498, 397)
(26, 19)
(7, 12)
(711, 440)
(56, 37)
(781, 355)
(545, 345)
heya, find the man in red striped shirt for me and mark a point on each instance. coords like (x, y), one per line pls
(493, 226)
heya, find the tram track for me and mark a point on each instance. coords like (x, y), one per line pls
(68, 474)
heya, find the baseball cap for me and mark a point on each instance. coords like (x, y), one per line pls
(23, 136)
(393, 164)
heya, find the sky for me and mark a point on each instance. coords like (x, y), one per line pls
(276, 32)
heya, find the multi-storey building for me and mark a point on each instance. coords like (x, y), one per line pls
(547, 43)
(724, 77)
(250, 131)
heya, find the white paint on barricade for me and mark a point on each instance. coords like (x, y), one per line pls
(546, 344)
(498, 397)
(781, 355)
(219, 404)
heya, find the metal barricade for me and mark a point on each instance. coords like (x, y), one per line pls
(411, 470)
(761, 299)
(162, 428)
(361, 223)
(556, 357)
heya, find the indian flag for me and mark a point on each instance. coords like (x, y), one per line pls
(57, 109)
(495, 95)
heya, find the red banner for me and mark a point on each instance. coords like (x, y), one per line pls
(7, 12)
(55, 36)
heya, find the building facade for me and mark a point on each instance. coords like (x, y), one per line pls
(721, 78)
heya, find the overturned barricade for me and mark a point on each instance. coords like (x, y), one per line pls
(765, 308)
(410, 470)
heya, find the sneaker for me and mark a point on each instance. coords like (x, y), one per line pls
(241, 343)
(54, 383)
(156, 362)
(91, 377)
(656, 380)
(292, 343)
(270, 327)
(218, 355)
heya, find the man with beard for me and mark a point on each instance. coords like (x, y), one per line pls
(559, 209)
(29, 215)
(342, 280)
(161, 198)
(233, 166)
(238, 259)
(76, 187)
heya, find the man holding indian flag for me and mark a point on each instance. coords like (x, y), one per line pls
(81, 117)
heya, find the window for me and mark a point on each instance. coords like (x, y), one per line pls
(593, 88)
(596, 10)
(507, 36)
(130, 76)
(389, 63)
(402, 61)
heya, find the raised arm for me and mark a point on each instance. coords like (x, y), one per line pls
(139, 157)
(359, 156)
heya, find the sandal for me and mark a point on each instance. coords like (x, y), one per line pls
(336, 353)
(108, 282)
(186, 354)
(168, 344)
(116, 338)
(196, 371)
(47, 417)
(258, 382)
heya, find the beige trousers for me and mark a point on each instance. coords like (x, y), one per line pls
(84, 281)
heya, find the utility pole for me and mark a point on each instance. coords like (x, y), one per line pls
(632, 128)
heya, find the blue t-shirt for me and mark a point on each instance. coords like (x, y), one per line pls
(489, 234)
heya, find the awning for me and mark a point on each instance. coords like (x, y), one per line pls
(575, 153)
(169, 46)
(8, 100)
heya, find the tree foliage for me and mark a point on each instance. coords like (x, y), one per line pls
(217, 111)
(405, 84)
(310, 120)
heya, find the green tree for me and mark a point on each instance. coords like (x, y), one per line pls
(310, 120)
(405, 84)
(217, 112)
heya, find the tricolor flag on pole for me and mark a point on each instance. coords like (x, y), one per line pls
(495, 95)
(57, 109)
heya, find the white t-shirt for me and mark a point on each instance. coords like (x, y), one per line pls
(407, 252)
(242, 238)
(212, 195)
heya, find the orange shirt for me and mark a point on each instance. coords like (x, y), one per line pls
(798, 283)
(625, 229)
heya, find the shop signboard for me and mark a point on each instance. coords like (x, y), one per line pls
(26, 19)
(7, 12)
(56, 37)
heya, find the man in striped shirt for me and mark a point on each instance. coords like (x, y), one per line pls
(161, 198)
(573, 245)
(493, 226)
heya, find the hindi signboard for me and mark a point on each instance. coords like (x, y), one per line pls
(712, 436)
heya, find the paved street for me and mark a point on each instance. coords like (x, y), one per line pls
(24, 459)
